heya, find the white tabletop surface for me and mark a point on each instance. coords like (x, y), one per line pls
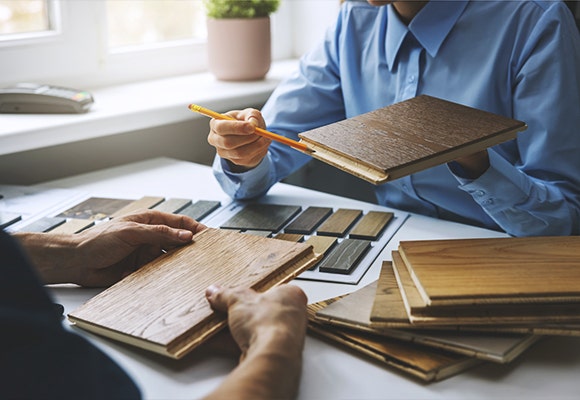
(550, 369)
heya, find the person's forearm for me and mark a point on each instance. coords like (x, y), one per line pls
(271, 369)
(51, 254)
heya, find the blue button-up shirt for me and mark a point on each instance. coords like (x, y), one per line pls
(520, 59)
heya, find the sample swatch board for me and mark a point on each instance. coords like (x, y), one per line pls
(162, 306)
(408, 137)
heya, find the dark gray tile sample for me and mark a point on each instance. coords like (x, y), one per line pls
(172, 205)
(344, 258)
(200, 209)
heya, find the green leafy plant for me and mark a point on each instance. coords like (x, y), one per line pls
(240, 8)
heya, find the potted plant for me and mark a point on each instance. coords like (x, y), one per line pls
(238, 38)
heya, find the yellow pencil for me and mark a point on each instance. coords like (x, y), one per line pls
(259, 131)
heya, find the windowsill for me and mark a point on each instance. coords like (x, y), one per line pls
(136, 106)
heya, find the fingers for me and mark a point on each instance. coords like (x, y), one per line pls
(221, 299)
(236, 141)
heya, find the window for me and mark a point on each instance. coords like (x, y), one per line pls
(92, 43)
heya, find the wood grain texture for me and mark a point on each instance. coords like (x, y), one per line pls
(200, 209)
(495, 270)
(95, 208)
(425, 363)
(172, 205)
(162, 307)
(266, 217)
(344, 257)
(353, 312)
(291, 237)
(321, 244)
(265, 234)
(308, 220)
(371, 225)
(408, 137)
(339, 222)
(143, 203)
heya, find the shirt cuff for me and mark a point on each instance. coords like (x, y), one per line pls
(499, 188)
(242, 185)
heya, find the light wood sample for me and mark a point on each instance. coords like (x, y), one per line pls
(339, 222)
(162, 306)
(371, 225)
(407, 137)
(144, 202)
(95, 208)
(495, 270)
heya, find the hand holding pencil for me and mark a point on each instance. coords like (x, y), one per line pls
(257, 130)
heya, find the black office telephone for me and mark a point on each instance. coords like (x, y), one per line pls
(33, 98)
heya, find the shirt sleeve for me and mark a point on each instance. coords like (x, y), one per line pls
(537, 193)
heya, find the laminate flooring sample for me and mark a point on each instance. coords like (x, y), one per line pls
(144, 202)
(73, 225)
(371, 225)
(265, 217)
(44, 224)
(308, 220)
(8, 218)
(172, 206)
(339, 222)
(95, 208)
(291, 237)
(200, 209)
(344, 257)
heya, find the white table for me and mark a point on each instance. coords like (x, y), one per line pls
(550, 369)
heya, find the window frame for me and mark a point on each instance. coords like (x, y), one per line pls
(75, 52)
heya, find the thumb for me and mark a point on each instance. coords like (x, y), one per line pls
(215, 296)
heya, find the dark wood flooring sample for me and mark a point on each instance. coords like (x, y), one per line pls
(344, 258)
(44, 224)
(308, 220)
(172, 205)
(263, 217)
(339, 222)
(200, 209)
(95, 208)
(371, 225)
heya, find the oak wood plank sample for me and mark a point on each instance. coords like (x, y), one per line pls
(173, 205)
(258, 233)
(73, 225)
(354, 310)
(200, 209)
(407, 137)
(308, 220)
(95, 208)
(267, 217)
(162, 307)
(144, 202)
(371, 225)
(425, 363)
(291, 237)
(322, 244)
(339, 222)
(495, 270)
(344, 257)
(512, 313)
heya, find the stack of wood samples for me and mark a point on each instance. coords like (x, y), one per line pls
(407, 137)
(499, 281)
(162, 307)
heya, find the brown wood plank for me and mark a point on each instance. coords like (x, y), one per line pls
(258, 233)
(200, 209)
(291, 237)
(145, 202)
(321, 244)
(266, 217)
(344, 257)
(407, 137)
(308, 220)
(172, 206)
(95, 208)
(162, 306)
(371, 225)
(339, 222)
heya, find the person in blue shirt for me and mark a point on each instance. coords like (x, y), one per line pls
(520, 59)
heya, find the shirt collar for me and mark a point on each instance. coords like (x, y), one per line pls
(430, 27)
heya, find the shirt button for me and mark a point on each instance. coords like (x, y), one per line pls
(480, 193)
(411, 79)
(488, 202)
(404, 186)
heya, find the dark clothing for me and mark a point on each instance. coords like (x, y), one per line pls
(39, 358)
